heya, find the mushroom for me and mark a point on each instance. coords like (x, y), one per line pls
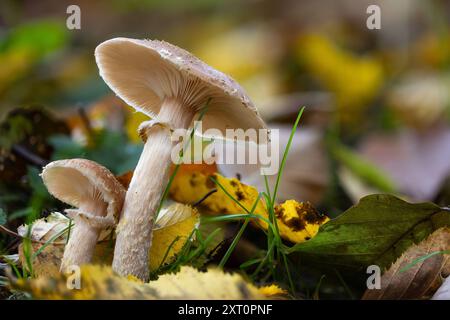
(171, 86)
(97, 196)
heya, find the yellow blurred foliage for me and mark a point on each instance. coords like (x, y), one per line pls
(354, 80)
(15, 63)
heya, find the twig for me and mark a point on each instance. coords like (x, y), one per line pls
(86, 122)
(29, 156)
(204, 197)
(10, 232)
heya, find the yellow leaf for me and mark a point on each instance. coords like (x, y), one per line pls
(272, 291)
(354, 80)
(125, 178)
(100, 282)
(172, 229)
(134, 119)
(297, 221)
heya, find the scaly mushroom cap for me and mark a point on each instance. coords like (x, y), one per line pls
(78, 182)
(145, 72)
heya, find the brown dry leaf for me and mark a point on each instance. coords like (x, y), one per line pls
(297, 221)
(421, 280)
(101, 283)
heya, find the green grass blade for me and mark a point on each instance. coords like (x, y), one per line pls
(238, 236)
(423, 258)
(286, 151)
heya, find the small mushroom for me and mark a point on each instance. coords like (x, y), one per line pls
(97, 196)
(171, 86)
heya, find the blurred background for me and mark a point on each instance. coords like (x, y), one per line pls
(377, 101)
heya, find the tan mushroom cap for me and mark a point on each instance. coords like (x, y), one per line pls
(81, 181)
(145, 72)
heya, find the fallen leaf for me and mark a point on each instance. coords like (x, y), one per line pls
(272, 291)
(419, 281)
(375, 231)
(297, 221)
(173, 227)
(101, 283)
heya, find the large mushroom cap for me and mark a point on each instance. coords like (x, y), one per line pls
(145, 72)
(80, 181)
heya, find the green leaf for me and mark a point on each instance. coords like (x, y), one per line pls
(375, 231)
(111, 149)
(363, 169)
(39, 37)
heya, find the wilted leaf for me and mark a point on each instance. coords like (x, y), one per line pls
(297, 221)
(100, 283)
(402, 281)
(375, 231)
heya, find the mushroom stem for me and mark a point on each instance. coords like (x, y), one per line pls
(134, 231)
(83, 239)
(81, 245)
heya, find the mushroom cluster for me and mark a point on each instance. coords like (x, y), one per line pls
(171, 86)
